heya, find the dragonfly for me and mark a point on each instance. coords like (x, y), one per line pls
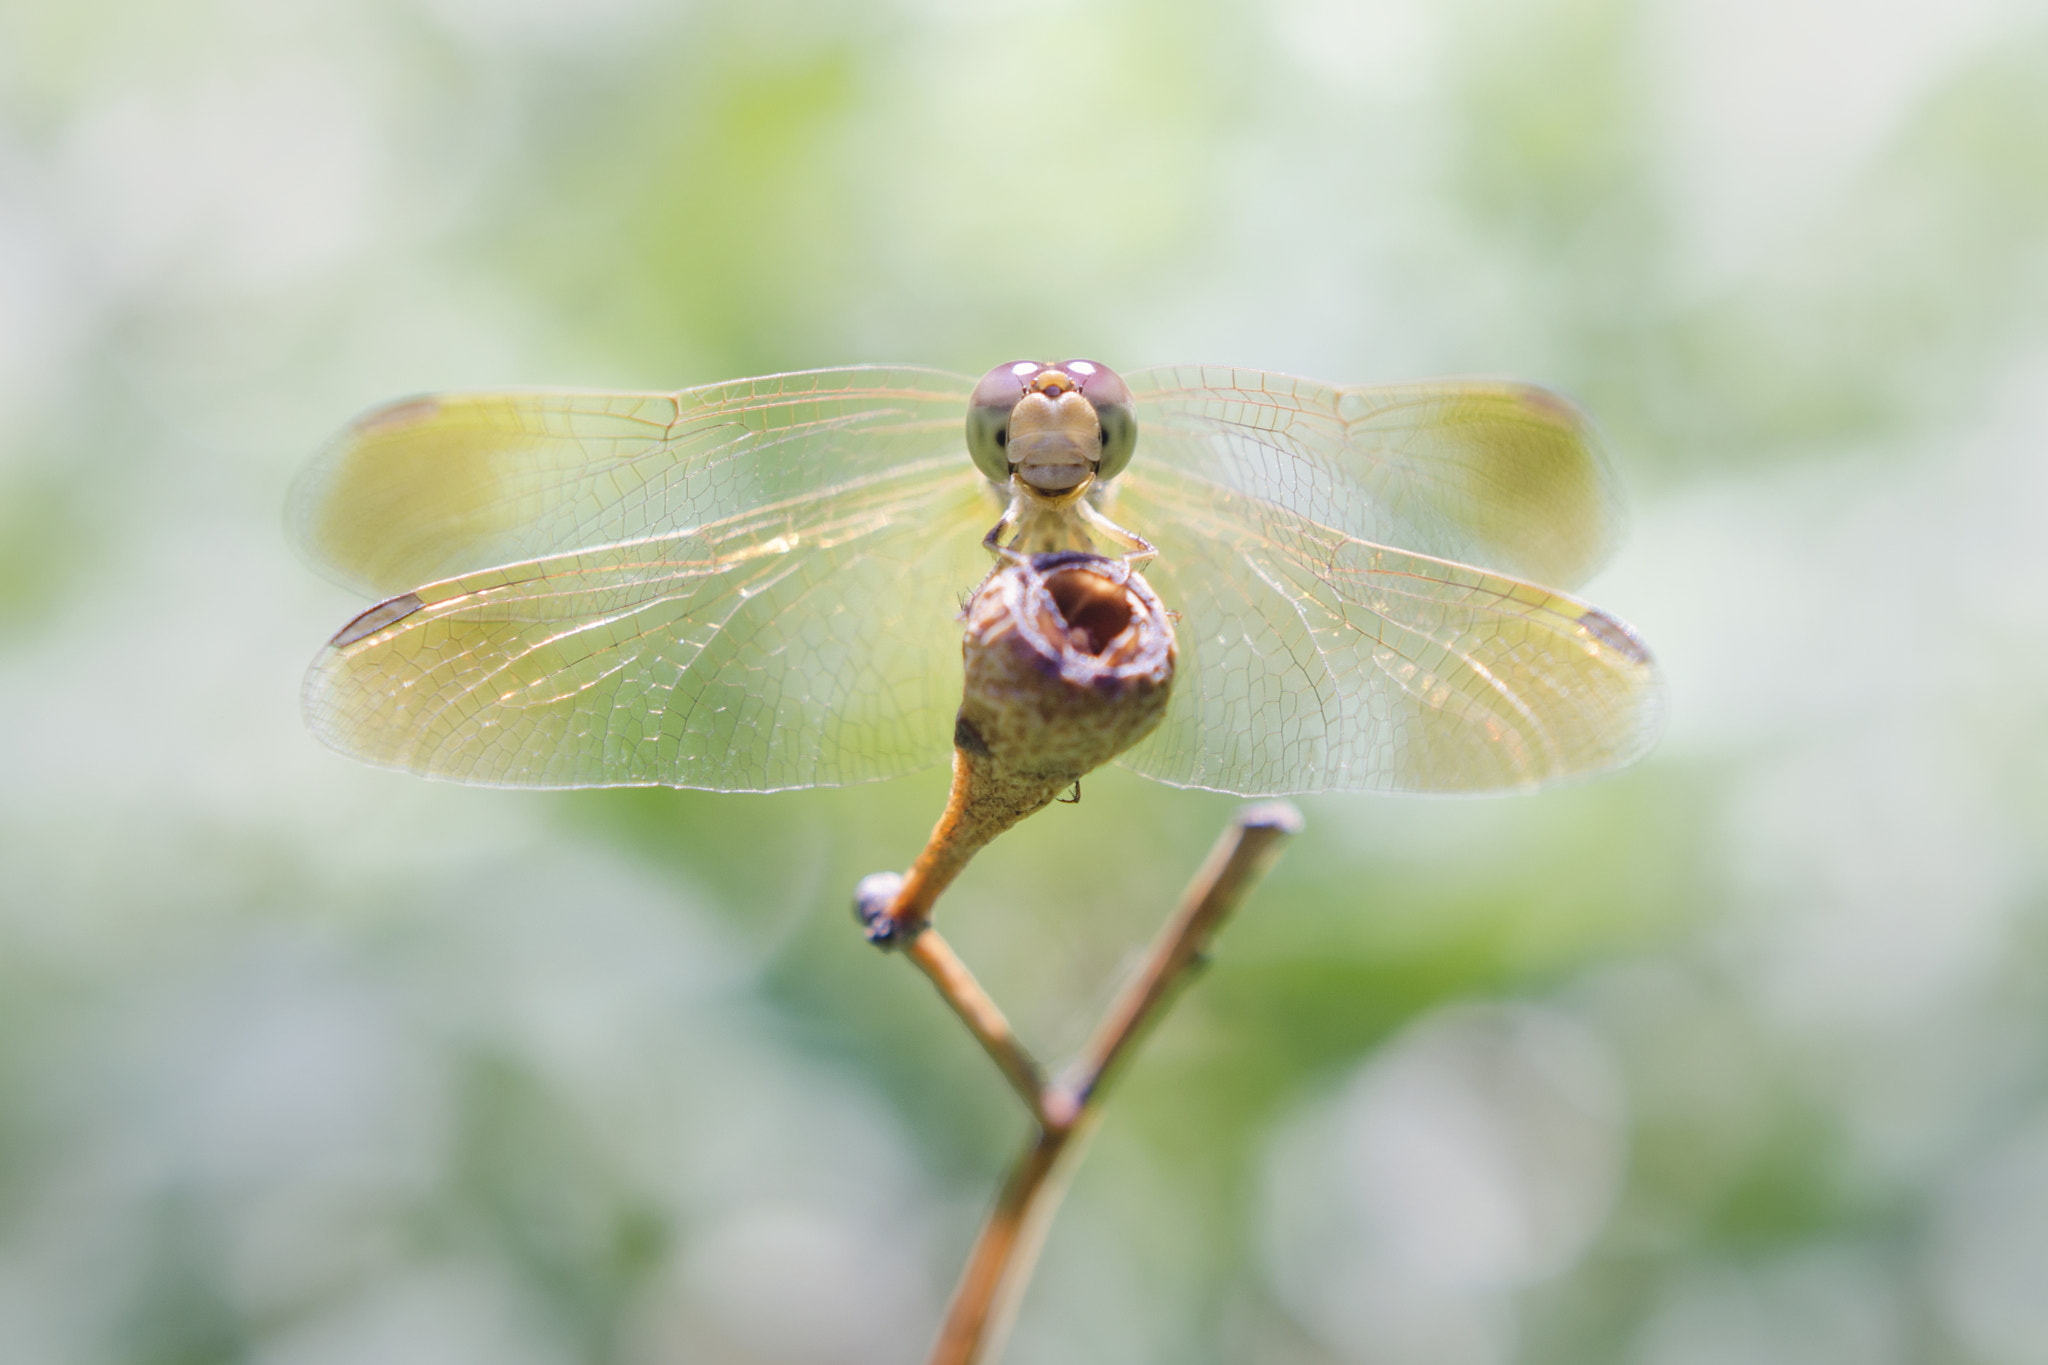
(756, 585)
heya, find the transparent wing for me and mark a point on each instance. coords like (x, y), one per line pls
(1312, 660)
(434, 487)
(811, 642)
(1501, 475)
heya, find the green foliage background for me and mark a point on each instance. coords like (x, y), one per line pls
(1736, 1057)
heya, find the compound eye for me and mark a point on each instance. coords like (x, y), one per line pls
(988, 415)
(1107, 393)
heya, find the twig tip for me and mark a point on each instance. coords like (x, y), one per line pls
(1282, 817)
(873, 898)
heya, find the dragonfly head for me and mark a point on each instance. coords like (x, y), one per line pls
(1055, 427)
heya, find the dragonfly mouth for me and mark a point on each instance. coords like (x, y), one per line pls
(1049, 476)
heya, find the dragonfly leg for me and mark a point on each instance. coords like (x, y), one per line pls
(993, 542)
(1137, 549)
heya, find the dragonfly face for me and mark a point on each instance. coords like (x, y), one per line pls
(1054, 427)
(755, 585)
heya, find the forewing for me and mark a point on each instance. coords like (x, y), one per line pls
(434, 487)
(812, 642)
(1505, 476)
(1312, 660)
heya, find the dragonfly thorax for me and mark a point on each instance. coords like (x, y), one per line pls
(1049, 521)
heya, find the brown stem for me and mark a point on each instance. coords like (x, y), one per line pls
(1067, 1111)
(984, 1019)
(1000, 1264)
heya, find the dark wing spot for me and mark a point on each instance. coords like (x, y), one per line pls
(406, 414)
(1614, 635)
(376, 618)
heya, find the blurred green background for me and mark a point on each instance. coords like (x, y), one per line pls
(1739, 1057)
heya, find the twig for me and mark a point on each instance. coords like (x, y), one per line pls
(873, 900)
(984, 1019)
(1067, 1110)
